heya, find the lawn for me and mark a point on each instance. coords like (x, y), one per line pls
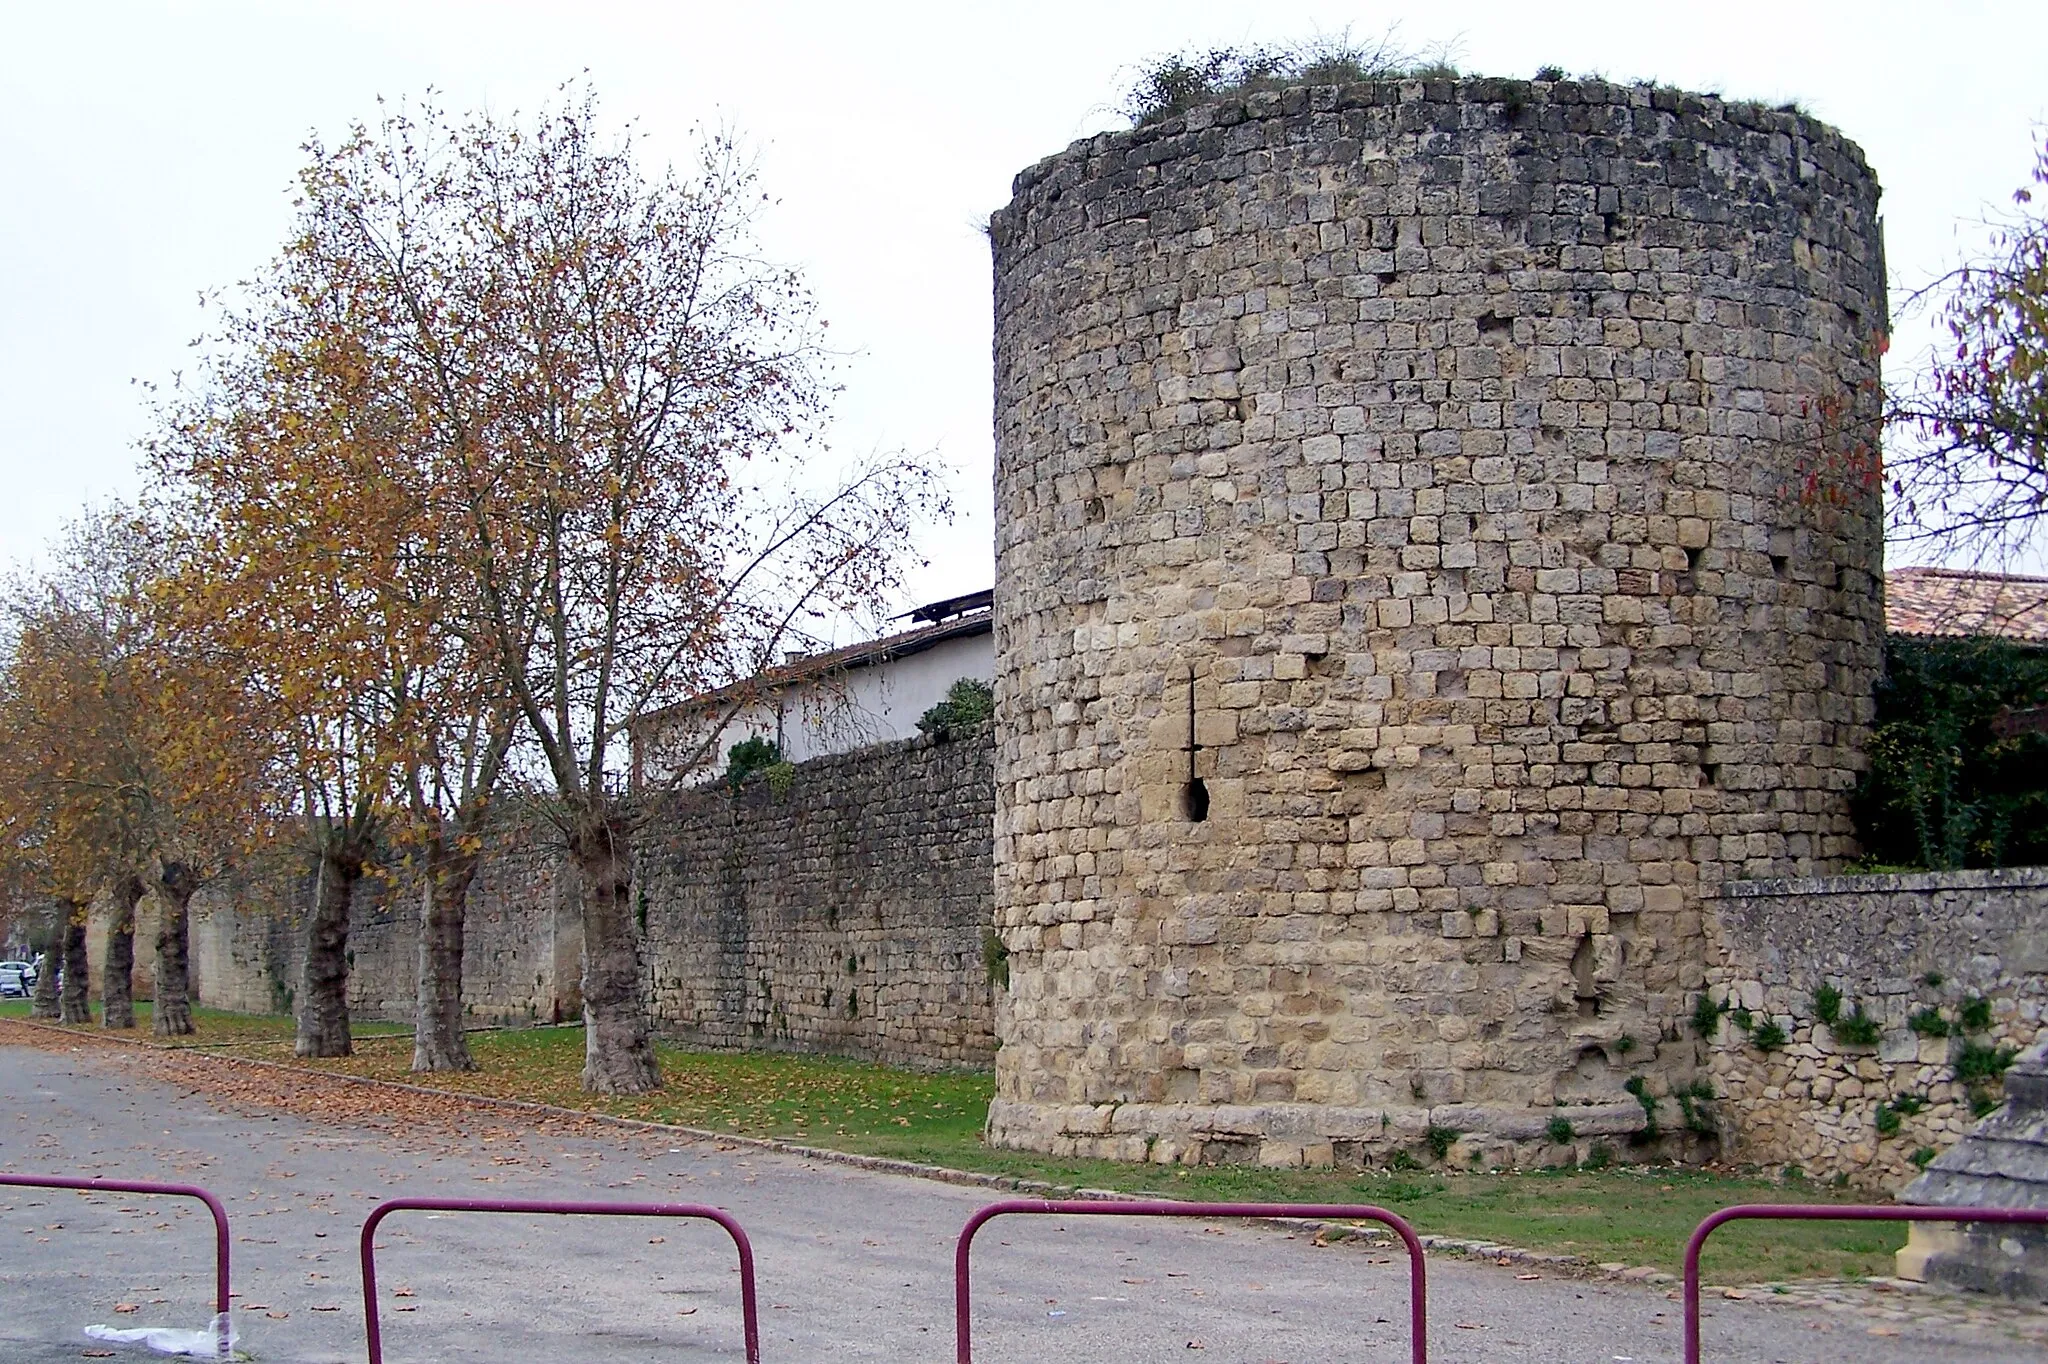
(1636, 1215)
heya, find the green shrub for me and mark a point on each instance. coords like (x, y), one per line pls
(1943, 790)
(1640, 1088)
(1857, 1030)
(748, 756)
(1600, 1157)
(1441, 1139)
(780, 776)
(1922, 1156)
(1827, 1004)
(995, 958)
(1624, 1044)
(1560, 1131)
(1983, 1105)
(1742, 1018)
(1887, 1121)
(1974, 1015)
(1690, 1100)
(1981, 1062)
(970, 702)
(1767, 1035)
(1928, 1022)
(1706, 1014)
(1909, 1104)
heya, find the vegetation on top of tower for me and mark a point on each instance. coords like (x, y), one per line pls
(1174, 83)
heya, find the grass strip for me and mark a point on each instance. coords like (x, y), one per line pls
(1638, 1215)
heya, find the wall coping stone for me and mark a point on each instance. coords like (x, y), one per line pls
(2000, 878)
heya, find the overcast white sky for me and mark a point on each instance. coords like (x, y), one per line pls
(147, 150)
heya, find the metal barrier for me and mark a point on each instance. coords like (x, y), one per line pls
(1821, 1212)
(1418, 1289)
(137, 1186)
(749, 1314)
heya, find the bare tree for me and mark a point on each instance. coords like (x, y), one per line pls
(614, 372)
(1968, 466)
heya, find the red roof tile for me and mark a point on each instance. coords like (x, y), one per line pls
(1956, 602)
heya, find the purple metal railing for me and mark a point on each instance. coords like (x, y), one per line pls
(137, 1186)
(1418, 1288)
(1821, 1212)
(750, 1317)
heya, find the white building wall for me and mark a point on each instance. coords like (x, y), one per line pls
(853, 709)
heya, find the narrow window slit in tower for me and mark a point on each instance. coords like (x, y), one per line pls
(1194, 797)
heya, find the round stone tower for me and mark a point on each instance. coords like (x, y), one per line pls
(1434, 548)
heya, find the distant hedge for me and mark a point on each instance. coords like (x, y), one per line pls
(1943, 789)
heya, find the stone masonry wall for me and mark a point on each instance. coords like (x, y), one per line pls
(1435, 451)
(1894, 947)
(845, 913)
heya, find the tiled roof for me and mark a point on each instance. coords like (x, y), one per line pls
(1950, 601)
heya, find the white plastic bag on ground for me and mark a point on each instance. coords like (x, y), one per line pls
(217, 1341)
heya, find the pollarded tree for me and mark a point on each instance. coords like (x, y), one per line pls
(1969, 460)
(283, 581)
(647, 364)
(602, 372)
(60, 787)
(320, 563)
(127, 744)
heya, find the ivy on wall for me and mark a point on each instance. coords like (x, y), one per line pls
(1945, 789)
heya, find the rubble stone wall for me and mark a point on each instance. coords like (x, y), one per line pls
(1429, 470)
(845, 912)
(1895, 948)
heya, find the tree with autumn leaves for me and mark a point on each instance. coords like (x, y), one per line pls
(508, 449)
(127, 768)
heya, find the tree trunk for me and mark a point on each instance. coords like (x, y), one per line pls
(437, 1040)
(51, 945)
(71, 1002)
(323, 984)
(618, 1058)
(172, 1014)
(117, 975)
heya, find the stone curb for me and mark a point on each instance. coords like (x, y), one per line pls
(1441, 1245)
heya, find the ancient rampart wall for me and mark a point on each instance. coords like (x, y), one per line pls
(1438, 454)
(845, 911)
(1862, 1099)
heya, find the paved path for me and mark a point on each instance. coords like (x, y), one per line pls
(853, 1264)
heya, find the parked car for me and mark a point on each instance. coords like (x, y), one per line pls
(17, 978)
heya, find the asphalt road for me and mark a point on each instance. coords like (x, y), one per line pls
(853, 1264)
